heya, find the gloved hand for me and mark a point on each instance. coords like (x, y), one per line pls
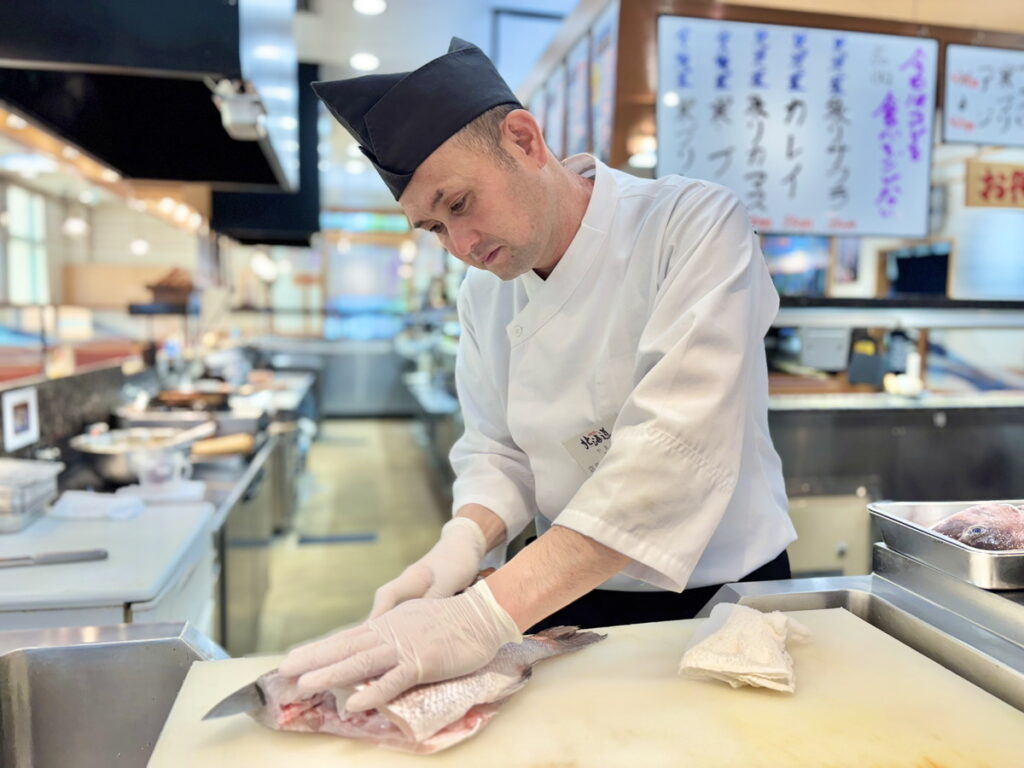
(419, 641)
(449, 567)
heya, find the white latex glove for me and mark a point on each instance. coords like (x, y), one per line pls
(419, 641)
(449, 567)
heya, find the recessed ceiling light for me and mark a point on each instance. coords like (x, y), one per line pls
(181, 213)
(75, 227)
(16, 122)
(370, 7)
(670, 99)
(110, 176)
(364, 62)
(70, 153)
(166, 205)
(139, 247)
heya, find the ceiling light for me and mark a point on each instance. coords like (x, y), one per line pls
(364, 62)
(355, 166)
(16, 122)
(166, 205)
(670, 99)
(370, 7)
(88, 197)
(181, 213)
(288, 123)
(264, 267)
(195, 219)
(70, 153)
(139, 247)
(643, 160)
(75, 226)
(354, 151)
(110, 175)
(267, 52)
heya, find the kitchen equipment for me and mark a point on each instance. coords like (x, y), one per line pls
(161, 568)
(91, 697)
(905, 528)
(54, 558)
(26, 487)
(197, 400)
(862, 698)
(109, 451)
(92, 505)
(248, 698)
(224, 446)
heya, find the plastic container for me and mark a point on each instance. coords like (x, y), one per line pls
(26, 487)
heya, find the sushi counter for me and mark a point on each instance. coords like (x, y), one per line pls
(914, 654)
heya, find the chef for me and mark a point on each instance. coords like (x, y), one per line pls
(612, 378)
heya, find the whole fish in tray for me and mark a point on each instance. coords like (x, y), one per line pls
(996, 526)
(424, 719)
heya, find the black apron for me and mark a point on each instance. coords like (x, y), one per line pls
(609, 608)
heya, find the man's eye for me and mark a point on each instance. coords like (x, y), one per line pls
(436, 229)
(459, 207)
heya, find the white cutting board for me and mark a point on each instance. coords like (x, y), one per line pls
(862, 699)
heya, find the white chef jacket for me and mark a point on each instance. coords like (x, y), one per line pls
(651, 324)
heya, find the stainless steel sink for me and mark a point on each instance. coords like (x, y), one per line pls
(89, 697)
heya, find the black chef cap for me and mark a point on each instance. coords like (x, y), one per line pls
(400, 119)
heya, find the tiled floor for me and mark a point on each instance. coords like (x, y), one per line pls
(369, 512)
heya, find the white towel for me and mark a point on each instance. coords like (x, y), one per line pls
(742, 646)
(86, 505)
(166, 493)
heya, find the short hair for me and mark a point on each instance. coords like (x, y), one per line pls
(484, 132)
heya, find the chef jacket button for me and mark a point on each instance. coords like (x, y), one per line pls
(517, 331)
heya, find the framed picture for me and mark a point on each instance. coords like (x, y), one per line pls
(21, 418)
(798, 264)
(846, 251)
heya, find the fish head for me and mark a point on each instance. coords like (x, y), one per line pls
(990, 537)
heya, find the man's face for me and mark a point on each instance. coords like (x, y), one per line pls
(487, 213)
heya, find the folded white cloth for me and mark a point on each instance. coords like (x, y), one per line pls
(85, 505)
(177, 491)
(742, 646)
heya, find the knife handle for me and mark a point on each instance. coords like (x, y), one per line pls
(75, 556)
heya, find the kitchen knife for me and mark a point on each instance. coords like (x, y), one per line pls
(249, 698)
(54, 558)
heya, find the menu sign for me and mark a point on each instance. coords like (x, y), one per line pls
(603, 45)
(984, 95)
(818, 131)
(994, 185)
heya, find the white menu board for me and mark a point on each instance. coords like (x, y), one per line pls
(603, 45)
(554, 115)
(984, 101)
(818, 131)
(578, 98)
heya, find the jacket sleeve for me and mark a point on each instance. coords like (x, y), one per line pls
(664, 485)
(490, 469)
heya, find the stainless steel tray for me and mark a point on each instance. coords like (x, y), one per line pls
(904, 526)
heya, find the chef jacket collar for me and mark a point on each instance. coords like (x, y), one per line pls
(547, 297)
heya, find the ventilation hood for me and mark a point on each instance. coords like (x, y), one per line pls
(189, 90)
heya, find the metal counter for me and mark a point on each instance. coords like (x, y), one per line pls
(978, 635)
(91, 697)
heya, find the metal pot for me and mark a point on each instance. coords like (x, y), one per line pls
(109, 452)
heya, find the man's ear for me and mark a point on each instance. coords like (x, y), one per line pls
(521, 129)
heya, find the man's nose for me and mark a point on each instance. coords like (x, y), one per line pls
(462, 240)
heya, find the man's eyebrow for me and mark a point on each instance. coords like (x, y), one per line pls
(437, 198)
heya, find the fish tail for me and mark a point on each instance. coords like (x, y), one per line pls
(568, 639)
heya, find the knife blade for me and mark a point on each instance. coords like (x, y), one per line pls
(54, 558)
(248, 698)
